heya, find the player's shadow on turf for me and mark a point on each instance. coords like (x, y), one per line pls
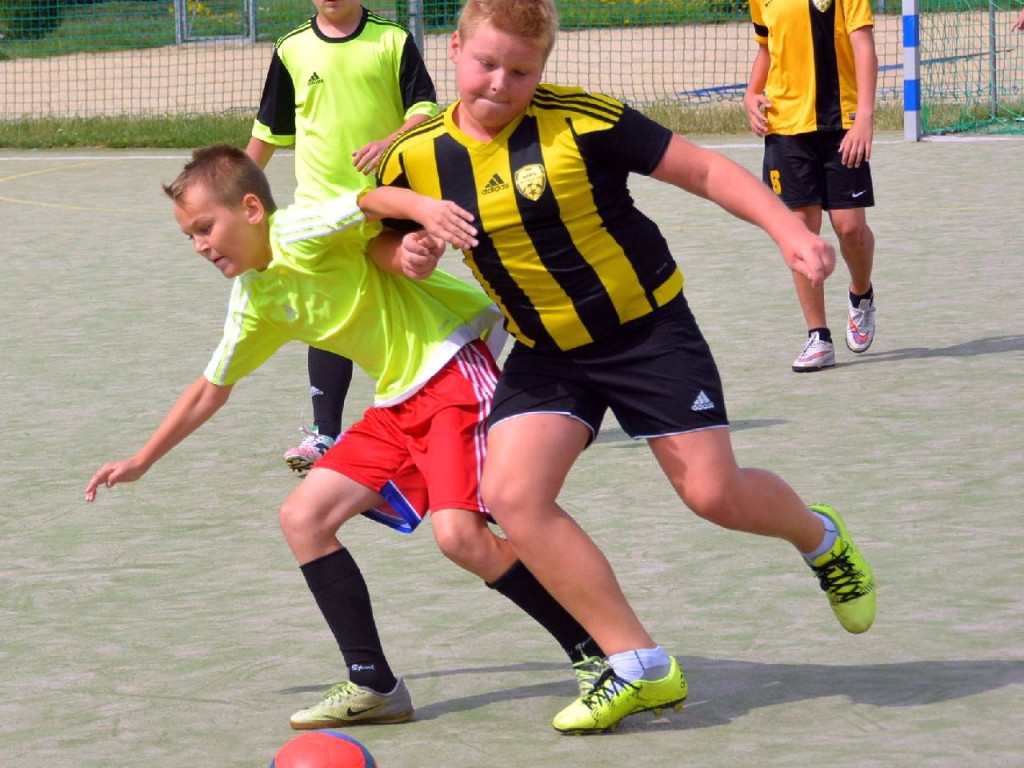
(994, 345)
(722, 690)
(616, 435)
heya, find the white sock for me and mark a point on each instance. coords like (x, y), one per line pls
(641, 664)
(831, 534)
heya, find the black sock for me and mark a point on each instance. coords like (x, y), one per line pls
(856, 299)
(330, 376)
(823, 333)
(339, 589)
(522, 588)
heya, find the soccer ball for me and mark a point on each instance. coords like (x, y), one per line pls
(323, 749)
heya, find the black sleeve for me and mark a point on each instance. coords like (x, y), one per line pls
(635, 143)
(414, 80)
(277, 105)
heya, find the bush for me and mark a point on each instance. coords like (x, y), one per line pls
(30, 19)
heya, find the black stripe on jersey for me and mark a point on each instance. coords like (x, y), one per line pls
(298, 30)
(827, 107)
(425, 127)
(455, 175)
(581, 103)
(760, 30)
(373, 18)
(639, 238)
(553, 242)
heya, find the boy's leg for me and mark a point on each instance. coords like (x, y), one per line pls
(857, 246)
(818, 351)
(330, 376)
(702, 468)
(528, 459)
(309, 519)
(792, 167)
(449, 450)
(849, 192)
(465, 539)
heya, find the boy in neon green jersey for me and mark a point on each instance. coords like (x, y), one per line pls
(339, 88)
(302, 274)
(593, 295)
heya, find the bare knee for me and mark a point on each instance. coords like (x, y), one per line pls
(300, 522)
(717, 504)
(853, 232)
(464, 538)
(501, 495)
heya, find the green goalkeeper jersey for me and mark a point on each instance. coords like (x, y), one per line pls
(322, 289)
(330, 96)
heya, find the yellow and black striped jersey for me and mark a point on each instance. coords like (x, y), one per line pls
(812, 83)
(563, 250)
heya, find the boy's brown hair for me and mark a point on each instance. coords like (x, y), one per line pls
(227, 173)
(529, 19)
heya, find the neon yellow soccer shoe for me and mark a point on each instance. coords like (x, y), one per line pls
(612, 699)
(846, 578)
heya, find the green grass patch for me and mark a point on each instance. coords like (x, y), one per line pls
(118, 133)
(235, 128)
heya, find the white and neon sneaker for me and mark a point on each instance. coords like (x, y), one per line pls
(860, 328)
(302, 457)
(351, 704)
(815, 355)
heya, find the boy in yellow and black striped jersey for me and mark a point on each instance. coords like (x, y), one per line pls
(592, 294)
(339, 88)
(812, 97)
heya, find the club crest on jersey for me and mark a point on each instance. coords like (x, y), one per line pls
(822, 5)
(531, 180)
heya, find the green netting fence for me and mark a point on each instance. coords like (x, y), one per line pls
(144, 58)
(972, 67)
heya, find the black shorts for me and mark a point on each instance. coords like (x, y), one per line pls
(807, 169)
(656, 374)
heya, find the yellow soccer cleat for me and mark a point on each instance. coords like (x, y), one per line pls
(846, 578)
(612, 699)
(588, 672)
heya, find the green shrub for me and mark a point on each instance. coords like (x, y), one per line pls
(30, 19)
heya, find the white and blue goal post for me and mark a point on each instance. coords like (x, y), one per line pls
(911, 70)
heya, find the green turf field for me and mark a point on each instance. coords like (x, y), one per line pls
(167, 625)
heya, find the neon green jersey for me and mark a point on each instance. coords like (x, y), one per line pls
(323, 290)
(330, 96)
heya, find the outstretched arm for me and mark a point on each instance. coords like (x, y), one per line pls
(720, 180)
(192, 409)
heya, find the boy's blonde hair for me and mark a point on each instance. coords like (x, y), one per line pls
(227, 173)
(530, 19)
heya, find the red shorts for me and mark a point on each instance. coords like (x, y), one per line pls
(427, 452)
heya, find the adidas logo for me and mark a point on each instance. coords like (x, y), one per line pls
(315, 390)
(315, 79)
(496, 184)
(702, 403)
